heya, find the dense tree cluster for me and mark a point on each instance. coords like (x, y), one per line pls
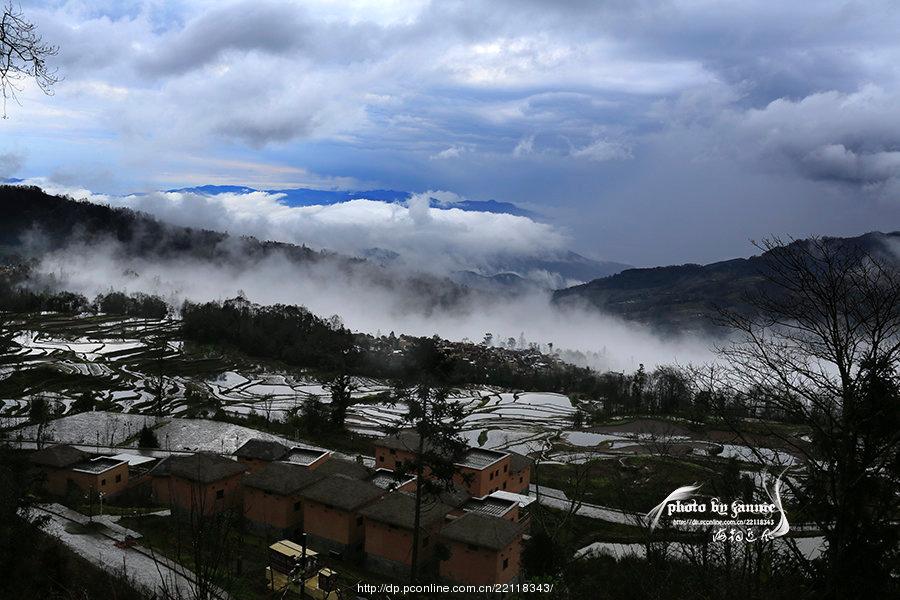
(288, 333)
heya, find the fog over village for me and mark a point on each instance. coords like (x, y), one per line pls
(376, 300)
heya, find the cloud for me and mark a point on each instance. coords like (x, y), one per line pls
(451, 152)
(373, 306)
(437, 240)
(848, 138)
(603, 150)
(524, 147)
(10, 164)
(417, 95)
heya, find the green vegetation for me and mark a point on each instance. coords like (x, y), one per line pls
(633, 483)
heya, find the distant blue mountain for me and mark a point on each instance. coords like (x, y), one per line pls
(311, 197)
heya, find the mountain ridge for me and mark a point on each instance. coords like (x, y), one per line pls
(687, 297)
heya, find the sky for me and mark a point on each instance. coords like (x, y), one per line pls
(640, 131)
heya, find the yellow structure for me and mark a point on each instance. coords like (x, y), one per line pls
(289, 565)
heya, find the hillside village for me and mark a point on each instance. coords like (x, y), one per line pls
(336, 507)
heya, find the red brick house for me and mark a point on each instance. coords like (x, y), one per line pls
(389, 533)
(331, 515)
(483, 471)
(393, 450)
(257, 453)
(65, 467)
(483, 550)
(480, 472)
(205, 483)
(519, 481)
(271, 497)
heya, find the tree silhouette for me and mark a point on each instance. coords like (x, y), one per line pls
(23, 55)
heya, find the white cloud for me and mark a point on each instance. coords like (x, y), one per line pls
(451, 152)
(524, 147)
(603, 150)
(432, 239)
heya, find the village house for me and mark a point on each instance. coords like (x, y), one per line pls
(392, 451)
(272, 500)
(480, 471)
(483, 550)
(256, 453)
(389, 533)
(483, 471)
(519, 481)
(331, 513)
(67, 468)
(203, 483)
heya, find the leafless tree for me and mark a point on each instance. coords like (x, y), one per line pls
(820, 347)
(268, 404)
(202, 547)
(23, 55)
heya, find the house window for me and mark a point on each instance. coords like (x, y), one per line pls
(491, 476)
(220, 494)
(504, 485)
(102, 482)
(520, 480)
(505, 468)
(119, 478)
(505, 563)
(381, 458)
(359, 521)
(297, 505)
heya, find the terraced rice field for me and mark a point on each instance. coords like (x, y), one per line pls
(137, 372)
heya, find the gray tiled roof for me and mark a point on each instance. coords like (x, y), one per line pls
(342, 492)
(340, 466)
(261, 449)
(200, 467)
(399, 509)
(59, 456)
(283, 479)
(481, 530)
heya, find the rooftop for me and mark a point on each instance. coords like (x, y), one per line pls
(521, 499)
(59, 456)
(388, 480)
(134, 460)
(342, 492)
(281, 478)
(489, 505)
(261, 449)
(399, 509)
(482, 530)
(98, 465)
(200, 467)
(304, 456)
(479, 458)
(341, 466)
